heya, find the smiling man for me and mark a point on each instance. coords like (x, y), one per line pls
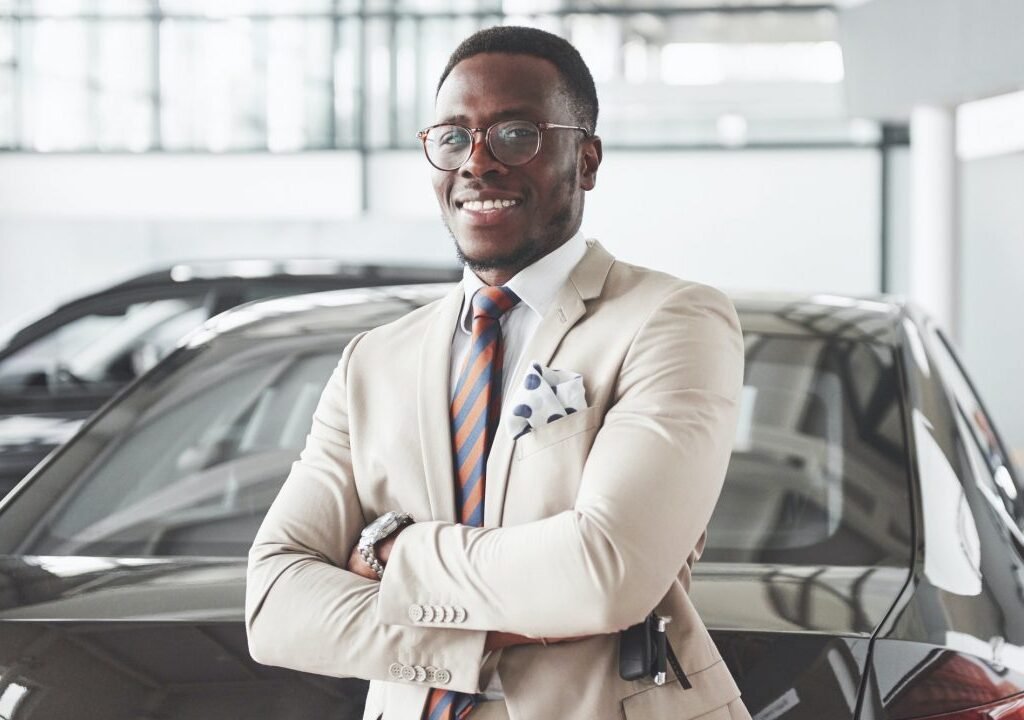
(499, 483)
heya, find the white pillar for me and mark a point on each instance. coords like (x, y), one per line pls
(934, 200)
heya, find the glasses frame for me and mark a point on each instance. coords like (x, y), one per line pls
(541, 127)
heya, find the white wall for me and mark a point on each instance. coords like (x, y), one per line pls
(992, 287)
(804, 220)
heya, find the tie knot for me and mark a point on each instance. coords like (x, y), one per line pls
(493, 302)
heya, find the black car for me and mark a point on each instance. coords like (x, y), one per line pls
(57, 370)
(865, 559)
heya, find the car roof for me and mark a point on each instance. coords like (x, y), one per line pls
(285, 268)
(872, 318)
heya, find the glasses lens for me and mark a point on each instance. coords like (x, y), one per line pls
(514, 142)
(448, 146)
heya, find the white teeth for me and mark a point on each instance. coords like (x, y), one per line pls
(484, 205)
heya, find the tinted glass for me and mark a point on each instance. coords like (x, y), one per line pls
(818, 473)
(114, 345)
(994, 469)
(195, 454)
(193, 461)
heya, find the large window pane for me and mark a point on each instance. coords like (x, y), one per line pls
(240, 83)
(212, 84)
(124, 78)
(347, 80)
(56, 112)
(298, 84)
(7, 85)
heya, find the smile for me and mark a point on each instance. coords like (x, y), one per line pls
(487, 205)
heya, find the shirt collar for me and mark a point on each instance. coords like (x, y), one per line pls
(536, 285)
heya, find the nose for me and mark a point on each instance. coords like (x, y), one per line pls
(480, 160)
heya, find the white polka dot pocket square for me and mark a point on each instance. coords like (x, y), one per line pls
(543, 396)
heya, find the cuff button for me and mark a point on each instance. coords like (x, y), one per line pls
(395, 671)
(443, 676)
(408, 673)
(421, 674)
(460, 615)
(428, 613)
(449, 613)
(415, 613)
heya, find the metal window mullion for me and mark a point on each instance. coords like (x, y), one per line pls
(393, 78)
(362, 112)
(17, 94)
(156, 94)
(332, 79)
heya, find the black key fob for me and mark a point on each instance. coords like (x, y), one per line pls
(636, 650)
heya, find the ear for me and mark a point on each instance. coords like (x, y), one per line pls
(590, 160)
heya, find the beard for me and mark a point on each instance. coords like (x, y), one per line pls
(533, 247)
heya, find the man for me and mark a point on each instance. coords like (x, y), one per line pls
(558, 428)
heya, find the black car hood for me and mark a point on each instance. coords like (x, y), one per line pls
(176, 624)
(87, 589)
(833, 600)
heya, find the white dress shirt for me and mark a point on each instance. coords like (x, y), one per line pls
(536, 287)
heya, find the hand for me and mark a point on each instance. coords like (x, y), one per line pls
(357, 565)
(497, 640)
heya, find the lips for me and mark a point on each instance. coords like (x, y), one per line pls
(486, 208)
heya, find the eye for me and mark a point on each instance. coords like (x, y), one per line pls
(452, 137)
(518, 133)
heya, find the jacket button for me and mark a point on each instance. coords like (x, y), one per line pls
(443, 676)
(460, 615)
(449, 613)
(408, 673)
(395, 671)
(415, 613)
(428, 614)
(431, 674)
(421, 674)
(438, 613)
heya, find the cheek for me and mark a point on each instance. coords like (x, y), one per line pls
(442, 187)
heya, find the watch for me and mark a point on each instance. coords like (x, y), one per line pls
(378, 530)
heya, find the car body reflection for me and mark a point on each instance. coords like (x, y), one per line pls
(865, 559)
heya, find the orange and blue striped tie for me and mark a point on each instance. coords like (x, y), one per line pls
(476, 408)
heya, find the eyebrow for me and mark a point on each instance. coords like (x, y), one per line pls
(510, 114)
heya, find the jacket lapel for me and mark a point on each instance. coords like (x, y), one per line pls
(585, 283)
(433, 407)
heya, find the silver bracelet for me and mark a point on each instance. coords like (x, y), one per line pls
(369, 559)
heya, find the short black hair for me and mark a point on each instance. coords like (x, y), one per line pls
(517, 40)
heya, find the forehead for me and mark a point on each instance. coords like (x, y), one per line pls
(492, 85)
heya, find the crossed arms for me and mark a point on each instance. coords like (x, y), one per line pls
(648, 488)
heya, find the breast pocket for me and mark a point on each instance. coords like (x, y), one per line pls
(555, 432)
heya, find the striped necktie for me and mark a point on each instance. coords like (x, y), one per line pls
(476, 409)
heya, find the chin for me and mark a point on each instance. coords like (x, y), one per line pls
(483, 255)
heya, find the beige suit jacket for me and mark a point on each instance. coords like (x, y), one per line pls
(590, 521)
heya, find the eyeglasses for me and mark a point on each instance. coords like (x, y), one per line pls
(511, 142)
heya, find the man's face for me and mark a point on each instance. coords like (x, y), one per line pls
(547, 192)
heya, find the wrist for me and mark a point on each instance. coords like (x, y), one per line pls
(376, 539)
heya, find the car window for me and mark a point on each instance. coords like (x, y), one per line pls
(112, 346)
(818, 473)
(189, 463)
(995, 471)
(199, 467)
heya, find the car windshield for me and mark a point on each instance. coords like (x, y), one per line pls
(112, 346)
(188, 462)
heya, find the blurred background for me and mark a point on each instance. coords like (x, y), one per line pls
(849, 147)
